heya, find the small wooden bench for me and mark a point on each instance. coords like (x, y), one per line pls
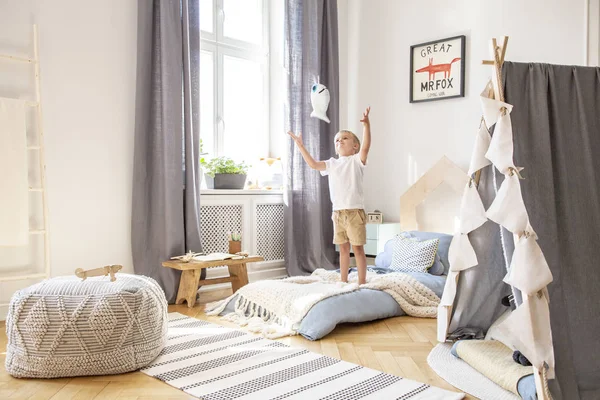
(190, 276)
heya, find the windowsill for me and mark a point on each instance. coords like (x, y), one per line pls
(239, 191)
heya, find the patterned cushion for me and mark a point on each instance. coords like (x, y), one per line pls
(443, 247)
(64, 326)
(411, 255)
(438, 267)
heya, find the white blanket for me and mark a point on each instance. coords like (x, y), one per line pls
(276, 308)
(14, 187)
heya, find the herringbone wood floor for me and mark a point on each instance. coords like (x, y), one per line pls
(397, 346)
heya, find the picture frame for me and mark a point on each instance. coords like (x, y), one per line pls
(437, 70)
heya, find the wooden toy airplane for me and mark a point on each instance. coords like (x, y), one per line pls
(103, 271)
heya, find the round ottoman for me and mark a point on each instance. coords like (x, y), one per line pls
(65, 327)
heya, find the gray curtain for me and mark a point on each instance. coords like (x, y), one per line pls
(311, 48)
(556, 126)
(166, 181)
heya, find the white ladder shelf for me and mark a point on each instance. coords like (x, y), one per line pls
(39, 147)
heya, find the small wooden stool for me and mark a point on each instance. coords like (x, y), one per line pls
(190, 277)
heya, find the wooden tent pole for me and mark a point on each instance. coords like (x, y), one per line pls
(498, 53)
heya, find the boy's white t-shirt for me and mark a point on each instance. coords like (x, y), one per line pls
(345, 182)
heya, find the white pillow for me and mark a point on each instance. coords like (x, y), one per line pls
(413, 256)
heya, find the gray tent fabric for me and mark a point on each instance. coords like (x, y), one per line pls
(166, 181)
(480, 289)
(311, 46)
(556, 127)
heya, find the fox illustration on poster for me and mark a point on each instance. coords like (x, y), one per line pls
(437, 70)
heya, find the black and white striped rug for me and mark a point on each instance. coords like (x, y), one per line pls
(213, 362)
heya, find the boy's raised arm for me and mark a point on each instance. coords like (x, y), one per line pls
(314, 164)
(366, 140)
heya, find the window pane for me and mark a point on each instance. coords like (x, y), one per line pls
(206, 15)
(243, 20)
(207, 107)
(243, 109)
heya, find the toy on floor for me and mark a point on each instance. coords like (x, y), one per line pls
(319, 98)
(519, 358)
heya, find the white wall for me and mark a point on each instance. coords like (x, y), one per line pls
(407, 139)
(88, 70)
(593, 38)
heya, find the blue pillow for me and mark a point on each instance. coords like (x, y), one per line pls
(384, 259)
(437, 268)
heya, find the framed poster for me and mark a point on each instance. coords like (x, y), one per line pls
(437, 70)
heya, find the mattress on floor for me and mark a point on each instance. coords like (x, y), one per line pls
(362, 305)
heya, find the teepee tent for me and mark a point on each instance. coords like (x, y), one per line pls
(495, 250)
(507, 221)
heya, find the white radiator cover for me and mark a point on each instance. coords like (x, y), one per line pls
(215, 222)
(258, 216)
(269, 231)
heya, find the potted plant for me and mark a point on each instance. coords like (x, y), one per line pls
(224, 173)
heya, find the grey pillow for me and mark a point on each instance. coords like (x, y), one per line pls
(413, 255)
(443, 247)
(384, 259)
(438, 267)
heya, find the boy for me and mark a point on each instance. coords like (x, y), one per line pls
(346, 192)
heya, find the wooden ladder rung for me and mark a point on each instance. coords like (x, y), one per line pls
(17, 58)
(215, 281)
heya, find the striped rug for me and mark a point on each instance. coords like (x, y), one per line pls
(213, 362)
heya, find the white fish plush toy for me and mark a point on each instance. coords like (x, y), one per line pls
(319, 98)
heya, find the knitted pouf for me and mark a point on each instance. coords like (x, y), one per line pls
(68, 327)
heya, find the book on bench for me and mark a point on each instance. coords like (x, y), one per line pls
(217, 257)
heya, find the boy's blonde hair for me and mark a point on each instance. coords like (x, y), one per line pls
(356, 139)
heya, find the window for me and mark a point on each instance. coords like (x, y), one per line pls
(234, 84)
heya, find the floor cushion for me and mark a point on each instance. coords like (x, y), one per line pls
(64, 326)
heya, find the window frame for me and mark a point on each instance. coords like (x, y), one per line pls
(221, 46)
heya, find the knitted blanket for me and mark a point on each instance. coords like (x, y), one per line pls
(275, 308)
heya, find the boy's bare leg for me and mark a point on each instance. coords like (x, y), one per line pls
(344, 261)
(361, 263)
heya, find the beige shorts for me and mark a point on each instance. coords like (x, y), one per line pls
(349, 226)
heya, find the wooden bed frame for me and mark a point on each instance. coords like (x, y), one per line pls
(444, 171)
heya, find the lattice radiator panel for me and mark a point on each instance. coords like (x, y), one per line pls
(215, 222)
(269, 231)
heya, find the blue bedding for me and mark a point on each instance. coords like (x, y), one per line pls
(359, 306)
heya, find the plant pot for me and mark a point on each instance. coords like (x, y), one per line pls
(226, 181)
(235, 246)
